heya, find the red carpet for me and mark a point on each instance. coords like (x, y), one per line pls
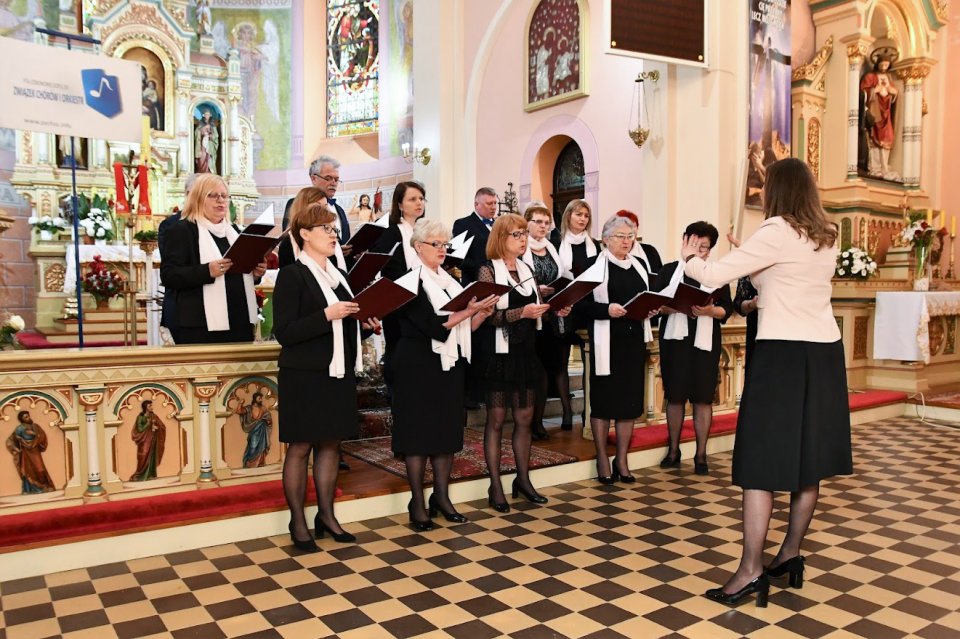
(32, 341)
(131, 515)
(655, 435)
(468, 463)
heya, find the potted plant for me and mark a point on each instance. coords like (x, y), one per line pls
(47, 226)
(856, 264)
(147, 239)
(101, 282)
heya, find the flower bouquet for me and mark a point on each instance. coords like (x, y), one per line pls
(919, 234)
(8, 331)
(47, 226)
(96, 220)
(101, 282)
(856, 264)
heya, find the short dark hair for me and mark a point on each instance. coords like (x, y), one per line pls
(145, 403)
(21, 414)
(398, 194)
(703, 229)
(484, 190)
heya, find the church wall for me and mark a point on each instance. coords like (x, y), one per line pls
(950, 169)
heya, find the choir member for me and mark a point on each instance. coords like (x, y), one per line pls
(690, 354)
(433, 349)
(506, 367)
(319, 355)
(213, 305)
(794, 424)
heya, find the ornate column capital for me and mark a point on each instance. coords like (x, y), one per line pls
(90, 398)
(857, 51)
(913, 71)
(205, 389)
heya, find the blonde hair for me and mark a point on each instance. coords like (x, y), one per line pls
(572, 207)
(502, 228)
(203, 186)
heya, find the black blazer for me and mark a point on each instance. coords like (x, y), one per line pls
(168, 316)
(301, 325)
(477, 255)
(653, 256)
(183, 274)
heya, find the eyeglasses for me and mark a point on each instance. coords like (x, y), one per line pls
(329, 179)
(439, 245)
(540, 222)
(623, 236)
(517, 235)
(217, 196)
(329, 228)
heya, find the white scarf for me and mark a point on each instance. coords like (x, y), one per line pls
(440, 289)
(601, 328)
(677, 326)
(410, 256)
(566, 250)
(215, 294)
(501, 275)
(637, 251)
(330, 278)
(541, 244)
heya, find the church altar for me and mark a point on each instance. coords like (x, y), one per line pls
(111, 254)
(902, 323)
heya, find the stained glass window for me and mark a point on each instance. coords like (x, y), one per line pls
(353, 67)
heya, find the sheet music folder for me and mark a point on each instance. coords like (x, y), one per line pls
(479, 290)
(688, 296)
(365, 237)
(640, 306)
(579, 288)
(385, 296)
(252, 245)
(365, 269)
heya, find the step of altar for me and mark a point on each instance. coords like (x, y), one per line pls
(105, 323)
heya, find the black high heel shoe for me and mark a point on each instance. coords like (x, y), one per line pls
(539, 433)
(499, 506)
(760, 586)
(418, 525)
(606, 481)
(306, 545)
(618, 476)
(671, 462)
(319, 528)
(566, 423)
(792, 566)
(453, 516)
(531, 495)
(700, 467)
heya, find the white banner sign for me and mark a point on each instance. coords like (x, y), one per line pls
(65, 92)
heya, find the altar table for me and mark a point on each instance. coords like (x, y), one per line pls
(115, 253)
(902, 320)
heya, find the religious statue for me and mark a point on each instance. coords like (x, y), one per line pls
(66, 158)
(27, 443)
(257, 423)
(878, 112)
(542, 64)
(204, 19)
(150, 434)
(562, 70)
(206, 142)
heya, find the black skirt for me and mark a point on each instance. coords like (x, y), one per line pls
(316, 407)
(794, 424)
(619, 395)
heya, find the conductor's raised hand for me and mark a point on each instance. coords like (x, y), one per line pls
(219, 267)
(341, 310)
(534, 311)
(733, 240)
(690, 247)
(615, 311)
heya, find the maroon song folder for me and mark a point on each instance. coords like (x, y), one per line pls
(640, 306)
(579, 288)
(479, 290)
(366, 268)
(687, 297)
(365, 237)
(559, 284)
(249, 250)
(380, 299)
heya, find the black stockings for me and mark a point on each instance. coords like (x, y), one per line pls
(624, 430)
(416, 469)
(521, 443)
(702, 420)
(326, 456)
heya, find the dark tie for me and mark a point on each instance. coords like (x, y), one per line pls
(488, 221)
(332, 200)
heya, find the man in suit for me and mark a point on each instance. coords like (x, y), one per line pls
(477, 225)
(324, 175)
(168, 315)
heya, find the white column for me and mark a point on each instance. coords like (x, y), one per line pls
(234, 137)
(41, 147)
(856, 52)
(183, 132)
(738, 373)
(100, 153)
(205, 391)
(651, 386)
(912, 76)
(91, 399)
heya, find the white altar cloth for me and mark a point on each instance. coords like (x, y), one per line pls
(902, 320)
(116, 253)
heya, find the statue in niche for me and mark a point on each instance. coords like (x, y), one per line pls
(27, 443)
(878, 114)
(66, 159)
(257, 423)
(150, 434)
(206, 143)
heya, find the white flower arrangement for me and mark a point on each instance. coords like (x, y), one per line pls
(97, 224)
(47, 223)
(855, 263)
(9, 329)
(918, 233)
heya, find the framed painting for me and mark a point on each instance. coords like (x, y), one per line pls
(556, 53)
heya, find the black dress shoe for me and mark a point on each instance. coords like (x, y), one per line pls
(344, 466)
(701, 468)
(499, 506)
(606, 481)
(539, 433)
(319, 528)
(793, 567)
(566, 423)
(305, 545)
(671, 461)
(760, 586)
(531, 495)
(453, 516)
(417, 524)
(618, 476)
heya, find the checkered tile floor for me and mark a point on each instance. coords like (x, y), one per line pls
(599, 562)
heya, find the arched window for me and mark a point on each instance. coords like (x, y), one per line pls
(353, 67)
(567, 179)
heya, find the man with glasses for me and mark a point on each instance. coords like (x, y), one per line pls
(324, 175)
(477, 225)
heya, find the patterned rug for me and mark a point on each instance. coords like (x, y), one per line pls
(948, 400)
(467, 463)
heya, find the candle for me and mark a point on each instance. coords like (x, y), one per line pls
(145, 144)
(930, 216)
(953, 225)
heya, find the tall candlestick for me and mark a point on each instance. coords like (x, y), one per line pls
(930, 216)
(953, 225)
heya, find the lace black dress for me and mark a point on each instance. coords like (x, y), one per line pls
(511, 378)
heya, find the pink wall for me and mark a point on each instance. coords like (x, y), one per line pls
(950, 172)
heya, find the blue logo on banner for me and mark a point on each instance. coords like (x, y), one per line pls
(102, 92)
